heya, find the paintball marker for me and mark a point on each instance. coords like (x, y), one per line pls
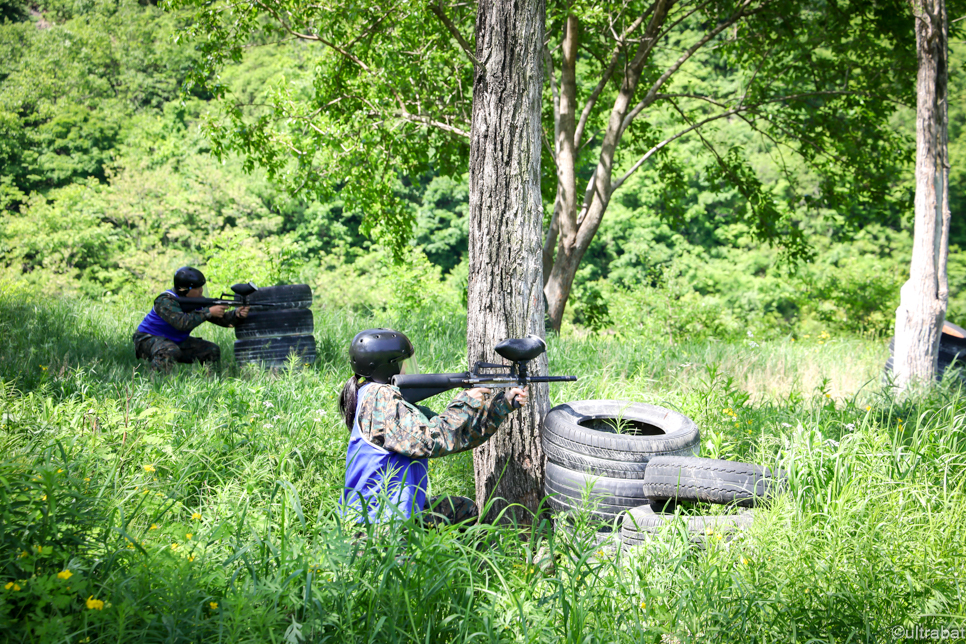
(239, 297)
(519, 351)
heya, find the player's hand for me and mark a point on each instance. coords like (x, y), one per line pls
(217, 311)
(242, 312)
(518, 397)
(478, 393)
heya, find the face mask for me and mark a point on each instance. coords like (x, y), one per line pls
(409, 366)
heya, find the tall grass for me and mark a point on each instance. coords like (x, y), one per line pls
(107, 469)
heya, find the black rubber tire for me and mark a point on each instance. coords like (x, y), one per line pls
(950, 347)
(275, 322)
(288, 296)
(943, 362)
(595, 466)
(708, 480)
(562, 506)
(642, 522)
(274, 352)
(609, 497)
(672, 433)
(953, 337)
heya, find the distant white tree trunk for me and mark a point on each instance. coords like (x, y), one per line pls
(922, 308)
(506, 212)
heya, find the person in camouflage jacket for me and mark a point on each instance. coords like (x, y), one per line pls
(392, 439)
(164, 336)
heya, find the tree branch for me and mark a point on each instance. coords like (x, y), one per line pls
(556, 101)
(445, 127)
(608, 74)
(683, 18)
(451, 28)
(652, 92)
(617, 184)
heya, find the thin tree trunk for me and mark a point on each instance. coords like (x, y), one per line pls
(506, 215)
(922, 308)
(576, 230)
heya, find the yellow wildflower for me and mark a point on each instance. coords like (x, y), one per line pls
(196, 516)
(191, 558)
(44, 497)
(868, 407)
(87, 479)
(643, 606)
(43, 368)
(23, 554)
(189, 535)
(744, 561)
(59, 471)
(148, 468)
(65, 574)
(154, 526)
(174, 546)
(94, 604)
(213, 605)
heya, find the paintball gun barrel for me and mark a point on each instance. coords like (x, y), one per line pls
(519, 351)
(240, 295)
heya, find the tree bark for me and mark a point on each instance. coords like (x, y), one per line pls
(922, 307)
(506, 214)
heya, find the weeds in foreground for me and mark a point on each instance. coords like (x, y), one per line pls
(201, 507)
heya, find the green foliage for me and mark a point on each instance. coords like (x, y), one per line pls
(235, 256)
(206, 504)
(442, 223)
(69, 86)
(347, 127)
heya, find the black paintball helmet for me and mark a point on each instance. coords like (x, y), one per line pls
(187, 278)
(378, 354)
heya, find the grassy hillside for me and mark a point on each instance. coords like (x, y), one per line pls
(201, 507)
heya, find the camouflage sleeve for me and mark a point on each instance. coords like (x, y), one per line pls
(170, 311)
(388, 421)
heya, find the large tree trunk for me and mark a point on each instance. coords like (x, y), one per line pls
(922, 308)
(506, 213)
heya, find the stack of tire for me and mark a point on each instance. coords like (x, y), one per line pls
(268, 336)
(952, 347)
(672, 480)
(633, 463)
(605, 446)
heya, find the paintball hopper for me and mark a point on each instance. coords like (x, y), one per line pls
(521, 349)
(244, 290)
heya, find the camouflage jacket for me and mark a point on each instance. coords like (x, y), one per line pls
(166, 305)
(388, 421)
